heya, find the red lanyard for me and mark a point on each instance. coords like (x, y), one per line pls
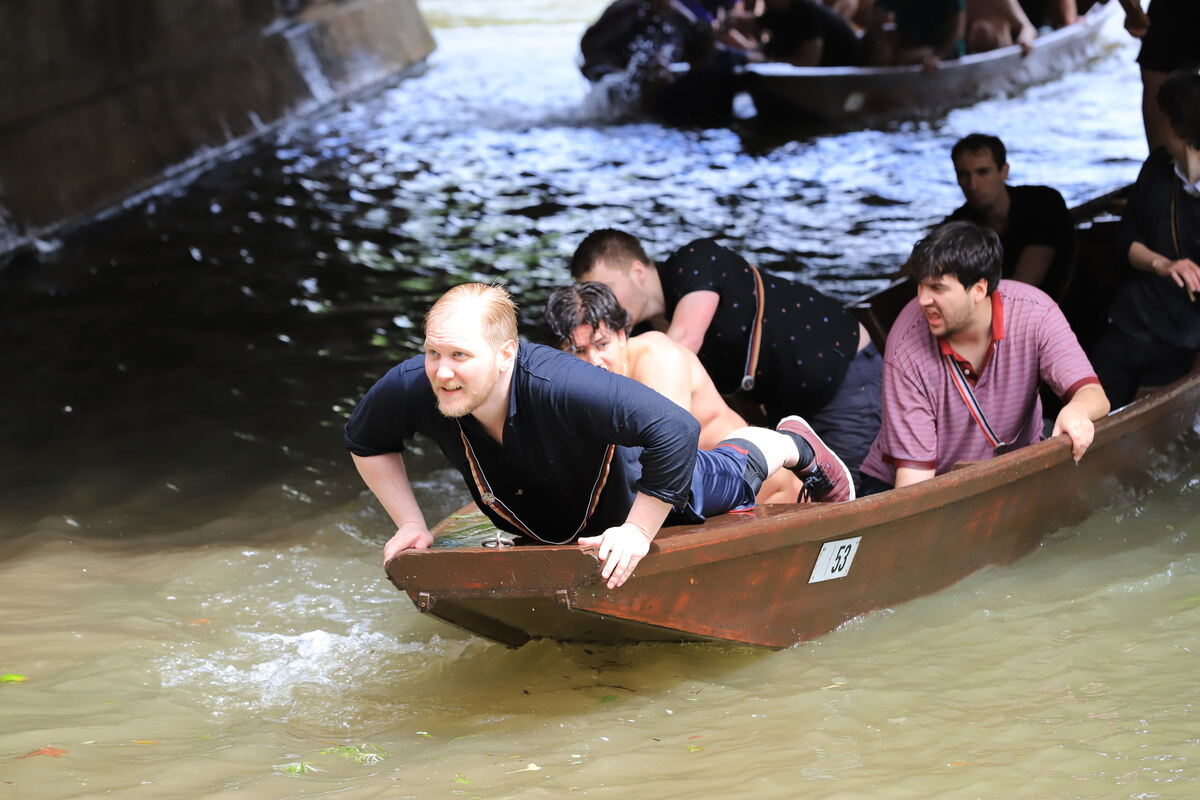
(488, 498)
(964, 390)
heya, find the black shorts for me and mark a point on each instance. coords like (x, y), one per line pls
(725, 478)
(1173, 41)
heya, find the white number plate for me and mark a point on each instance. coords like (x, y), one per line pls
(835, 559)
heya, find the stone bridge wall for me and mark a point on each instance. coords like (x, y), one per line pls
(101, 99)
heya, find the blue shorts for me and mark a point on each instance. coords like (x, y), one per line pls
(725, 478)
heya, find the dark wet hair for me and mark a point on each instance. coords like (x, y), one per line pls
(974, 142)
(589, 303)
(1179, 99)
(962, 249)
(616, 248)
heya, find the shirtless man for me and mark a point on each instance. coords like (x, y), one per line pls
(585, 319)
(992, 24)
(806, 355)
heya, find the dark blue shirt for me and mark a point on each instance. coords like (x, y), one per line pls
(563, 414)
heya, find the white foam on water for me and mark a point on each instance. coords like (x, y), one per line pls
(298, 677)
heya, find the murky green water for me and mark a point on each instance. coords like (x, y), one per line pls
(189, 568)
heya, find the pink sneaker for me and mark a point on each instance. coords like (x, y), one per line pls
(826, 479)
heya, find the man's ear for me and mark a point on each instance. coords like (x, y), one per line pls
(979, 290)
(506, 355)
(637, 272)
(1004, 173)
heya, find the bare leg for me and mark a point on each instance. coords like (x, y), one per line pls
(1152, 116)
(777, 449)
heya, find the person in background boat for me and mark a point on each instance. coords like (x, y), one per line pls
(1051, 14)
(1153, 336)
(963, 364)
(1033, 222)
(926, 32)
(640, 37)
(633, 46)
(806, 33)
(552, 448)
(992, 24)
(586, 320)
(808, 354)
(856, 12)
(1170, 34)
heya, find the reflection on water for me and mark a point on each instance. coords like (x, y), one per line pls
(190, 571)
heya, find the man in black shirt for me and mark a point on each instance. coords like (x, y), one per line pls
(1033, 223)
(555, 449)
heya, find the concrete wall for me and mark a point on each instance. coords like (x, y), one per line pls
(101, 99)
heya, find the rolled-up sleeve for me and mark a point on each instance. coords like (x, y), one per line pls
(386, 417)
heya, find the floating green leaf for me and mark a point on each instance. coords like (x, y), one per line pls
(297, 768)
(694, 748)
(12, 677)
(608, 698)
(460, 778)
(365, 753)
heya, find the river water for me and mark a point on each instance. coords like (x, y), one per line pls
(189, 568)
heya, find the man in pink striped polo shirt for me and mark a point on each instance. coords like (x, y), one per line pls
(963, 361)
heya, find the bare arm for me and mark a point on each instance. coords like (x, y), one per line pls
(1033, 263)
(691, 319)
(1075, 420)
(622, 547)
(665, 369)
(1064, 12)
(1136, 21)
(956, 28)
(1185, 272)
(1026, 32)
(387, 479)
(807, 53)
(907, 476)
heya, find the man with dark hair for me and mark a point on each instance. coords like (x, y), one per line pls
(554, 449)
(1154, 333)
(807, 33)
(585, 319)
(963, 362)
(764, 340)
(1033, 223)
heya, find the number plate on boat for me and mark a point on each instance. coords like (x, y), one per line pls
(834, 560)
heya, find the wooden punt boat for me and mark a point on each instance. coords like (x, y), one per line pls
(871, 95)
(787, 573)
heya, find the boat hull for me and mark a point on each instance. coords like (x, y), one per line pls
(865, 95)
(748, 578)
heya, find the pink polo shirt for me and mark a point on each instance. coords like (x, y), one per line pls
(926, 423)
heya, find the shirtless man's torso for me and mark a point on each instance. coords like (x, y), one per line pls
(669, 368)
